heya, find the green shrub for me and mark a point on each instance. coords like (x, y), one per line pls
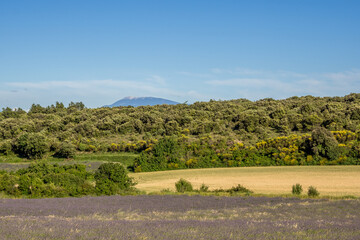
(105, 186)
(204, 188)
(297, 189)
(323, 144)
(313, 192)
(112, 178)
(9, 184)
(32, 145)
(66, 150)
(239, 189)
(5, 148)
(71, 183)
(183, 186)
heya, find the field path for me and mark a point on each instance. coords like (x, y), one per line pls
(329, 180)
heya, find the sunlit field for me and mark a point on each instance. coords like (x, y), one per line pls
(329, 180)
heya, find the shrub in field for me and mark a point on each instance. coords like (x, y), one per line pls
(46, 180)
(111, 178)
(9, 184)
(5, 148)
(297, 189)
(71, 183)
(322, 143)
(313, 192)
(183, 186)
(204, 188)
(66, 150)
(32, 145)
(239, 189)
(106, 187)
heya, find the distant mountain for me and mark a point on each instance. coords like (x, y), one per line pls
(141, 101)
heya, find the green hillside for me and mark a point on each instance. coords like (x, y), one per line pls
(293, 131)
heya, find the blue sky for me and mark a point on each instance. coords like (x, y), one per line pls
(100, 51)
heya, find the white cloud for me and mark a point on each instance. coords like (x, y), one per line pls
(90, 85)
(353, 75)
(241, 82)
(93, 93)
(157, 79)
(197, 75)
(255, 84)
(217, 83)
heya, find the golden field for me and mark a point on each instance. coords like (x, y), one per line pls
(329, 180)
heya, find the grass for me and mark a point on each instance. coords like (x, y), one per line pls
(91, 160)
(333, 181)
(126, 159)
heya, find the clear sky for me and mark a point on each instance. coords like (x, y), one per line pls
(98, 52)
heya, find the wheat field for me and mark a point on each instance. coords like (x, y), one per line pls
(329, 180)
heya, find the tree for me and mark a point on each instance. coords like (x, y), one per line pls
(32, 145)
(323, 143)
(66, 150)
(112, 178)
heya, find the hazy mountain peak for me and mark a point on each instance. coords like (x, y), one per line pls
(141, 101)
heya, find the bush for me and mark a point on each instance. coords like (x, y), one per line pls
(32, 145)
(239, 189)
(313, 192)
(183, 186)
(204, 188)
(9, 184)
(111, 178)
(66, 150)
(323, 144)
(70, 182)
(5, 148)
(106, 187)
(297, 189)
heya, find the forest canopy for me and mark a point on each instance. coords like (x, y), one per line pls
(325, 129)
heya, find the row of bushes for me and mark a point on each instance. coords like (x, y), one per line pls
(46, 180)
(37, 145)
(321, 147)
(183, 186)
(297, 189)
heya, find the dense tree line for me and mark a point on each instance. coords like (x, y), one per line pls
(321, 147)
(63, 131)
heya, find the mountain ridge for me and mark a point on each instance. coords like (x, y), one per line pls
(141, 101)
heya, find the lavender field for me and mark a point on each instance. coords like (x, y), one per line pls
(179, 217)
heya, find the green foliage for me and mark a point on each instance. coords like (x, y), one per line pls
(183, 186)
(204, 188)
(313, 192)
(74, 185)
(239, 189)
(46, 180)
(297, 189)
(166, 151)
(222, 152)
(66, 150)
(5, 148)
(203, 134)
(32, 145)
(112, 178)
(322, 143)
(9, 184)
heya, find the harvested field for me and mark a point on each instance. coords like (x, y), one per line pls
(179, 217)
(329, 180)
